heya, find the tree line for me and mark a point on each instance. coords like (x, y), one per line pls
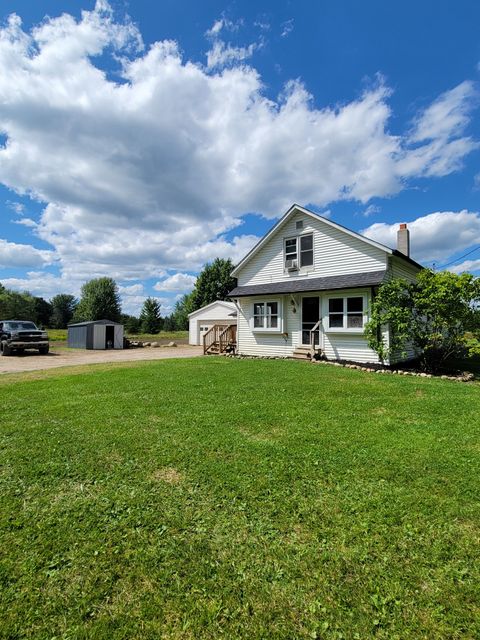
(100, 299)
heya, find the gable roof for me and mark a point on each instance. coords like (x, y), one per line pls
(87, 322)
(230, 306)
(296, 208)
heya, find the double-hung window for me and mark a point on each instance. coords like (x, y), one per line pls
(306, 251)
(291, 253)
(346, 313)
(266, 315)
(299, 251)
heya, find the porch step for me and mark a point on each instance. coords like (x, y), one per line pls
(213, 350)
(302, 353)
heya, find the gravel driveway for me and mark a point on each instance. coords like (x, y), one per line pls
(31, 361)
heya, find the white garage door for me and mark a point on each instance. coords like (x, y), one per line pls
(203, 327)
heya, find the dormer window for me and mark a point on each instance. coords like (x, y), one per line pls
(299, 252)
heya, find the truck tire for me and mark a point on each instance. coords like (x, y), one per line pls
(6, 351)
(43, 351)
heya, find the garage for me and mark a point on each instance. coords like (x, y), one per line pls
(200, 321)
(95, 334)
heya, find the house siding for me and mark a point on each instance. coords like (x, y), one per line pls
(335, 253)
(267, 344)
(401, 269)
(337, 345)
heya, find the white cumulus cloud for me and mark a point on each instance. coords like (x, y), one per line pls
(434, 237)
(471, 266)
(14, 255)
(177, 282)
(146, 174)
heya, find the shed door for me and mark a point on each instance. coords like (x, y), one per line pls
(99, 336)
(118, 336)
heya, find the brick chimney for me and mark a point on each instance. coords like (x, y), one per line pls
(403, 240)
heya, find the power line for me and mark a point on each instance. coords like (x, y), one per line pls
(460, 258)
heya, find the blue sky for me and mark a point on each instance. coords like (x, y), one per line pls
(140, 140)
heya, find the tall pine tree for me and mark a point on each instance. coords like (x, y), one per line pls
(150, 318)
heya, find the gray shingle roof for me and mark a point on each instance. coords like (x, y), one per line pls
(300, 285)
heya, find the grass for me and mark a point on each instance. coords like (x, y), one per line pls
(60, 336)
(162, 335)
(219, 498)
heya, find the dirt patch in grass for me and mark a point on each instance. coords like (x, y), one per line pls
(168, 475)
(267, 435)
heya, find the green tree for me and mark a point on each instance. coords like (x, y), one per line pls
(214, 283)
(43, 311)
(432, 315)
(150, 318)
(131, 324)
(178, 320)
(63, 308)
(99, 300)
(16, 305)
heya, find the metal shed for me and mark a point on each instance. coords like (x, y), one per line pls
(95, 334)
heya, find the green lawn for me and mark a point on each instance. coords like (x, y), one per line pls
(222, 498)
(60, 335)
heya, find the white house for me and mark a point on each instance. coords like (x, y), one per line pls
(219, 313)
(309, 278)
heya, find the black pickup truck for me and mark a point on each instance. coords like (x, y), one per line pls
(18, 335)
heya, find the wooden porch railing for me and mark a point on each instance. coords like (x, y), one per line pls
(219, 338)
(312, 336)
(228, 337)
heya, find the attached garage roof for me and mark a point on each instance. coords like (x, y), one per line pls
(225, 304)
(350, 281)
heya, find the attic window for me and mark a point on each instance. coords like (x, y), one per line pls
(302, 245)
(299, 224)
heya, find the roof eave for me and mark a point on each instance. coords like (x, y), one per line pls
(399, 254)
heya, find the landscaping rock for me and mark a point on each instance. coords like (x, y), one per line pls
(172, 344)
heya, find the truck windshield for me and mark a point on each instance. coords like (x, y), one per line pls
(20, 326)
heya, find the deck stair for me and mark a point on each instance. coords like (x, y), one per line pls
(302, 353)
(220, 339)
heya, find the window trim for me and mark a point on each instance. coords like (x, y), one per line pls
(265, 329)
(298, 251)
(344, 328)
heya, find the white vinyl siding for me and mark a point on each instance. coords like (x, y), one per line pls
(263, 343)
(334, 253)
(348, 347)
(338, 345)
(401, 269)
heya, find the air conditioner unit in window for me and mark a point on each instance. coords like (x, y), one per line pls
(291, 265)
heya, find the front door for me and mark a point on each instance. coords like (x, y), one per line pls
(310, 317)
